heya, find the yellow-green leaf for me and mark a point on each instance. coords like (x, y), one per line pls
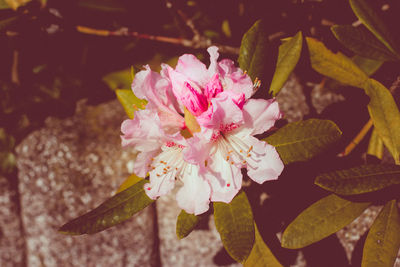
(261, 255)
(129, 101)
(119, 79)
(234, 222)
(375, 145)
(115, 210)
(320, 220)
(191, 122)
(360, 179)
(362, 42)
(4, 5)
(15, 4)
(131, 180)
(383, 239)
(253, 54)
(289, 55)
(367, 65)
(368, 15)
(301, 141)
(336, 66)
(385, 115)
(185, 224)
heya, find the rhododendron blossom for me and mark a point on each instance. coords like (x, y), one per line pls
(209, 161)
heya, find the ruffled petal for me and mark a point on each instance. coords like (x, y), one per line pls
(193, 69)
(197, 150)
(213, 68)
(260, 115)
(225, 178)
(194, 196)
(264, 164)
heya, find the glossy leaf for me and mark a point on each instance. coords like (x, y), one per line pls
(261, 255)
(362, 42)
(375, 146)
(234, 222)
(301, 141)
(185, 224)
(383, 239)
(131, 180)
(360, 179)
(385, 115)
(253, 51)
(119, 79)
(335, 66)
(368, 15)
(129, 101)
(320, 220)
(367, 65)
(115, 210)
(289, 55)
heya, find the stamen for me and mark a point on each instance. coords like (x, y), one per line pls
(148, 188)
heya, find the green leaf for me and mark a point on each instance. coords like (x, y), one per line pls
(336, 66)
(360, 179)
(320, 220)
(234, 222)
(375, 145)
(370, 18)
(385, 115)
(301, 141)
(362, 42)
(367, 65)
(253, 56)
(130, 102)
(115, 210)
(131, 180)
(119, 79)
(185, 224)
(383, 239)
(15, 4)
(289, 55)
(261, 255)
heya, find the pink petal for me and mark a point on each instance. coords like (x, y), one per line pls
(197, 150)
(194, 196)
(213, 68)
(213, 87)
(260, 115)
(193, 69)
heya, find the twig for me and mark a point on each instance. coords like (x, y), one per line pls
(196, 44)
(14, 68)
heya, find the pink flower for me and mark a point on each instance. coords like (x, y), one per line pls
(209, 162)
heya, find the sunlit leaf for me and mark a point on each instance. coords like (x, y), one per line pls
(119, 79)
(15, 4)
(336, 66)
(289, 55)
(385, 115)
(362, 42)
(383, 239)
(115, 210)
(261, 255)
(131, 180)
(253, 56)
(301, 141)
(234, 222)
(130, 102)
(375, 145)
(4, 5)
(368, 15)
(185, 224)
(360, 179)
(320, 220)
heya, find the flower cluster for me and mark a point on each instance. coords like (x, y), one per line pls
(198, 127)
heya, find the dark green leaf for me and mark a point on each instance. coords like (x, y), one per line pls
(385, 115)
(383, 239)
(115, 210)
(261, 255)
(185, 224)
(369, 66)
(130, 102)
(234, 222)
(7, 22)
(253, 56)
(368, 15)
(301, 141)
(289, 55)
(362, 42)
(359, 180)
(336, 66)
(320, 220)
